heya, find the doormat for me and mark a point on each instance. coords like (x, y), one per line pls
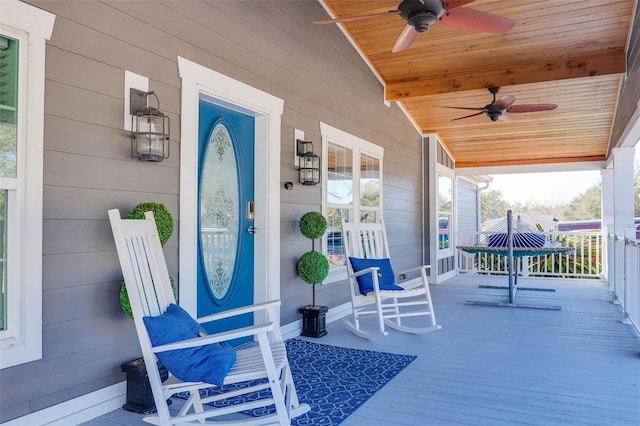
(334, 381)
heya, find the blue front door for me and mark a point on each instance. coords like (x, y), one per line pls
(225, 213)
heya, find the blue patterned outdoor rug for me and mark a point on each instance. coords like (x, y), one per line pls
(335, 381)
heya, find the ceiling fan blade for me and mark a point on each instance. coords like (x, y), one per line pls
(474, 20)
(452, 4)
(532, 108)
(404, 40)
(354, 18)
(469, 108)
(505, 117)
(505, 102)
(467, 116)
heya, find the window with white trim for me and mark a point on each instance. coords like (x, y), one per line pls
(445, 212)
(352, 182)
(445, 171)
(8, 170)
(23, 30)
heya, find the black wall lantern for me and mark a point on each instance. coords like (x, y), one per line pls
(149, 128)
(309, 169)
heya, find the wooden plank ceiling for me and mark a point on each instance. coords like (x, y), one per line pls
(565, 52)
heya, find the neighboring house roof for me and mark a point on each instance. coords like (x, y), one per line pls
(524, 220)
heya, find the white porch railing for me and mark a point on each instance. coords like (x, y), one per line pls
(585, 261)
(626, 276)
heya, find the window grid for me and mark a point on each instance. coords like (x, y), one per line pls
(353, 189)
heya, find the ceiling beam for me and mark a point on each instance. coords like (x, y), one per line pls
(530, 161)
(524, 72)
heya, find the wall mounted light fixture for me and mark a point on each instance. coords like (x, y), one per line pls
(309, 167)
(149, 128)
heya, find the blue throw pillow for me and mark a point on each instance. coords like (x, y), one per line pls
(386, 278)
(209, 363)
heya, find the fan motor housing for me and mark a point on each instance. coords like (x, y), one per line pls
(493, 112)
(421, 15)
(422, 21)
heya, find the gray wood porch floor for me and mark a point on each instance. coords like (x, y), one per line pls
(503, 366)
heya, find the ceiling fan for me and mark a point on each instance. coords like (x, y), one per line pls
(421, 14)
(498, 109)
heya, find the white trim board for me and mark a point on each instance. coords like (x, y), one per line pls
(630, 137)
(533, 168)
(77, 410)
(199, 81)
(291, 330)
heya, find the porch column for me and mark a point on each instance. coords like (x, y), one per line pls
(617, 202)
(607, 221)
(623, 196)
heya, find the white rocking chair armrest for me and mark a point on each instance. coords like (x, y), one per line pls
(239, 311)
(216, 338)
(370, 270)
(417, 268)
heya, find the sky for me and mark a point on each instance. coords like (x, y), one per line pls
(552, 188)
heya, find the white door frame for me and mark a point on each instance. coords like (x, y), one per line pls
(267, 111)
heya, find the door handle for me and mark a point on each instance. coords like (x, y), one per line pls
(252, 230)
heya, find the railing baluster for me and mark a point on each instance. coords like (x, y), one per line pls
(584, 262)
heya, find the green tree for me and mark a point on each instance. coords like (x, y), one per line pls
(8, 150)
(492, 205)
(539, 208)
(370, 193)
(586, 206)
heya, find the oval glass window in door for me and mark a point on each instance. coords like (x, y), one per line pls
(219, 211)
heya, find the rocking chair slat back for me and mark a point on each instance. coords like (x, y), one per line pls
(388, 305)
(150, 275)
(366, 240)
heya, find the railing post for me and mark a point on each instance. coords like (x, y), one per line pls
(525, 266)
(618, 269)
(629, 289)
(633, 274)
(610, 256)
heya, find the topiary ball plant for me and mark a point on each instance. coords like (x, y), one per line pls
(126, 304)
(164, 223)
(162, 216)
(313, 225)
(313, 267)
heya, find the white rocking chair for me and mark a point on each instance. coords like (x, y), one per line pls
(390, 297)
(148, 285)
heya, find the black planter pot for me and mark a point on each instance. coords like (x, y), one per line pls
(314, 321)
(139, 394)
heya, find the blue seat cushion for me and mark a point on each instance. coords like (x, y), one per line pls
(209, 363)
(386, 279)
